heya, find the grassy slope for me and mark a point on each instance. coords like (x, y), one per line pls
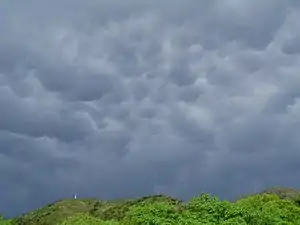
(59, 211)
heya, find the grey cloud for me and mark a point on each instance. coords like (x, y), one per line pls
(133, 98)
(26, 117)
(292, 46)
(77, 87)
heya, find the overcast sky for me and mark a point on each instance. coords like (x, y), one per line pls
(128, 98)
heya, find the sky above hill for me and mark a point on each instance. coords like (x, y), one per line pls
(127, 98)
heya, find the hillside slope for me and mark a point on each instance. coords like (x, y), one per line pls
(57, 212)
(271, 206)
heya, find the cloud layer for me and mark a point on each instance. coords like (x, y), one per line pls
(110, 99)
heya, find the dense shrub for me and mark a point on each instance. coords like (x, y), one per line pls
(86, 219)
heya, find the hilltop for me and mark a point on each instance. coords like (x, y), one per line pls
(270, 206)
(116, 209)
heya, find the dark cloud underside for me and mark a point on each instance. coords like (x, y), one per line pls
(120, 99)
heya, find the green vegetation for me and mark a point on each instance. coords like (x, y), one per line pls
(274, 206)
(5, 222)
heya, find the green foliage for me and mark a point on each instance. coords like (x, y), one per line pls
(118, 209)
(153, 214)
(57, 212)
(210, 209)
(276, 207)
(269, 209)
(283, 193)
(5, 222)
(86, 219)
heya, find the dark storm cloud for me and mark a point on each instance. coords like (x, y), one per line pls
(112, 99)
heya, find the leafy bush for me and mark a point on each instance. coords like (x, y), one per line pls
(86, 219)
(153, 214)
(269, 209)
(263, 209)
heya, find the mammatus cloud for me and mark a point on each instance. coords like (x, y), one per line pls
(110, 99)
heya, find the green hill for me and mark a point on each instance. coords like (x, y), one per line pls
(284, 193)
(116, 209)
(272, 206)
(57, 212)
(291, 194)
